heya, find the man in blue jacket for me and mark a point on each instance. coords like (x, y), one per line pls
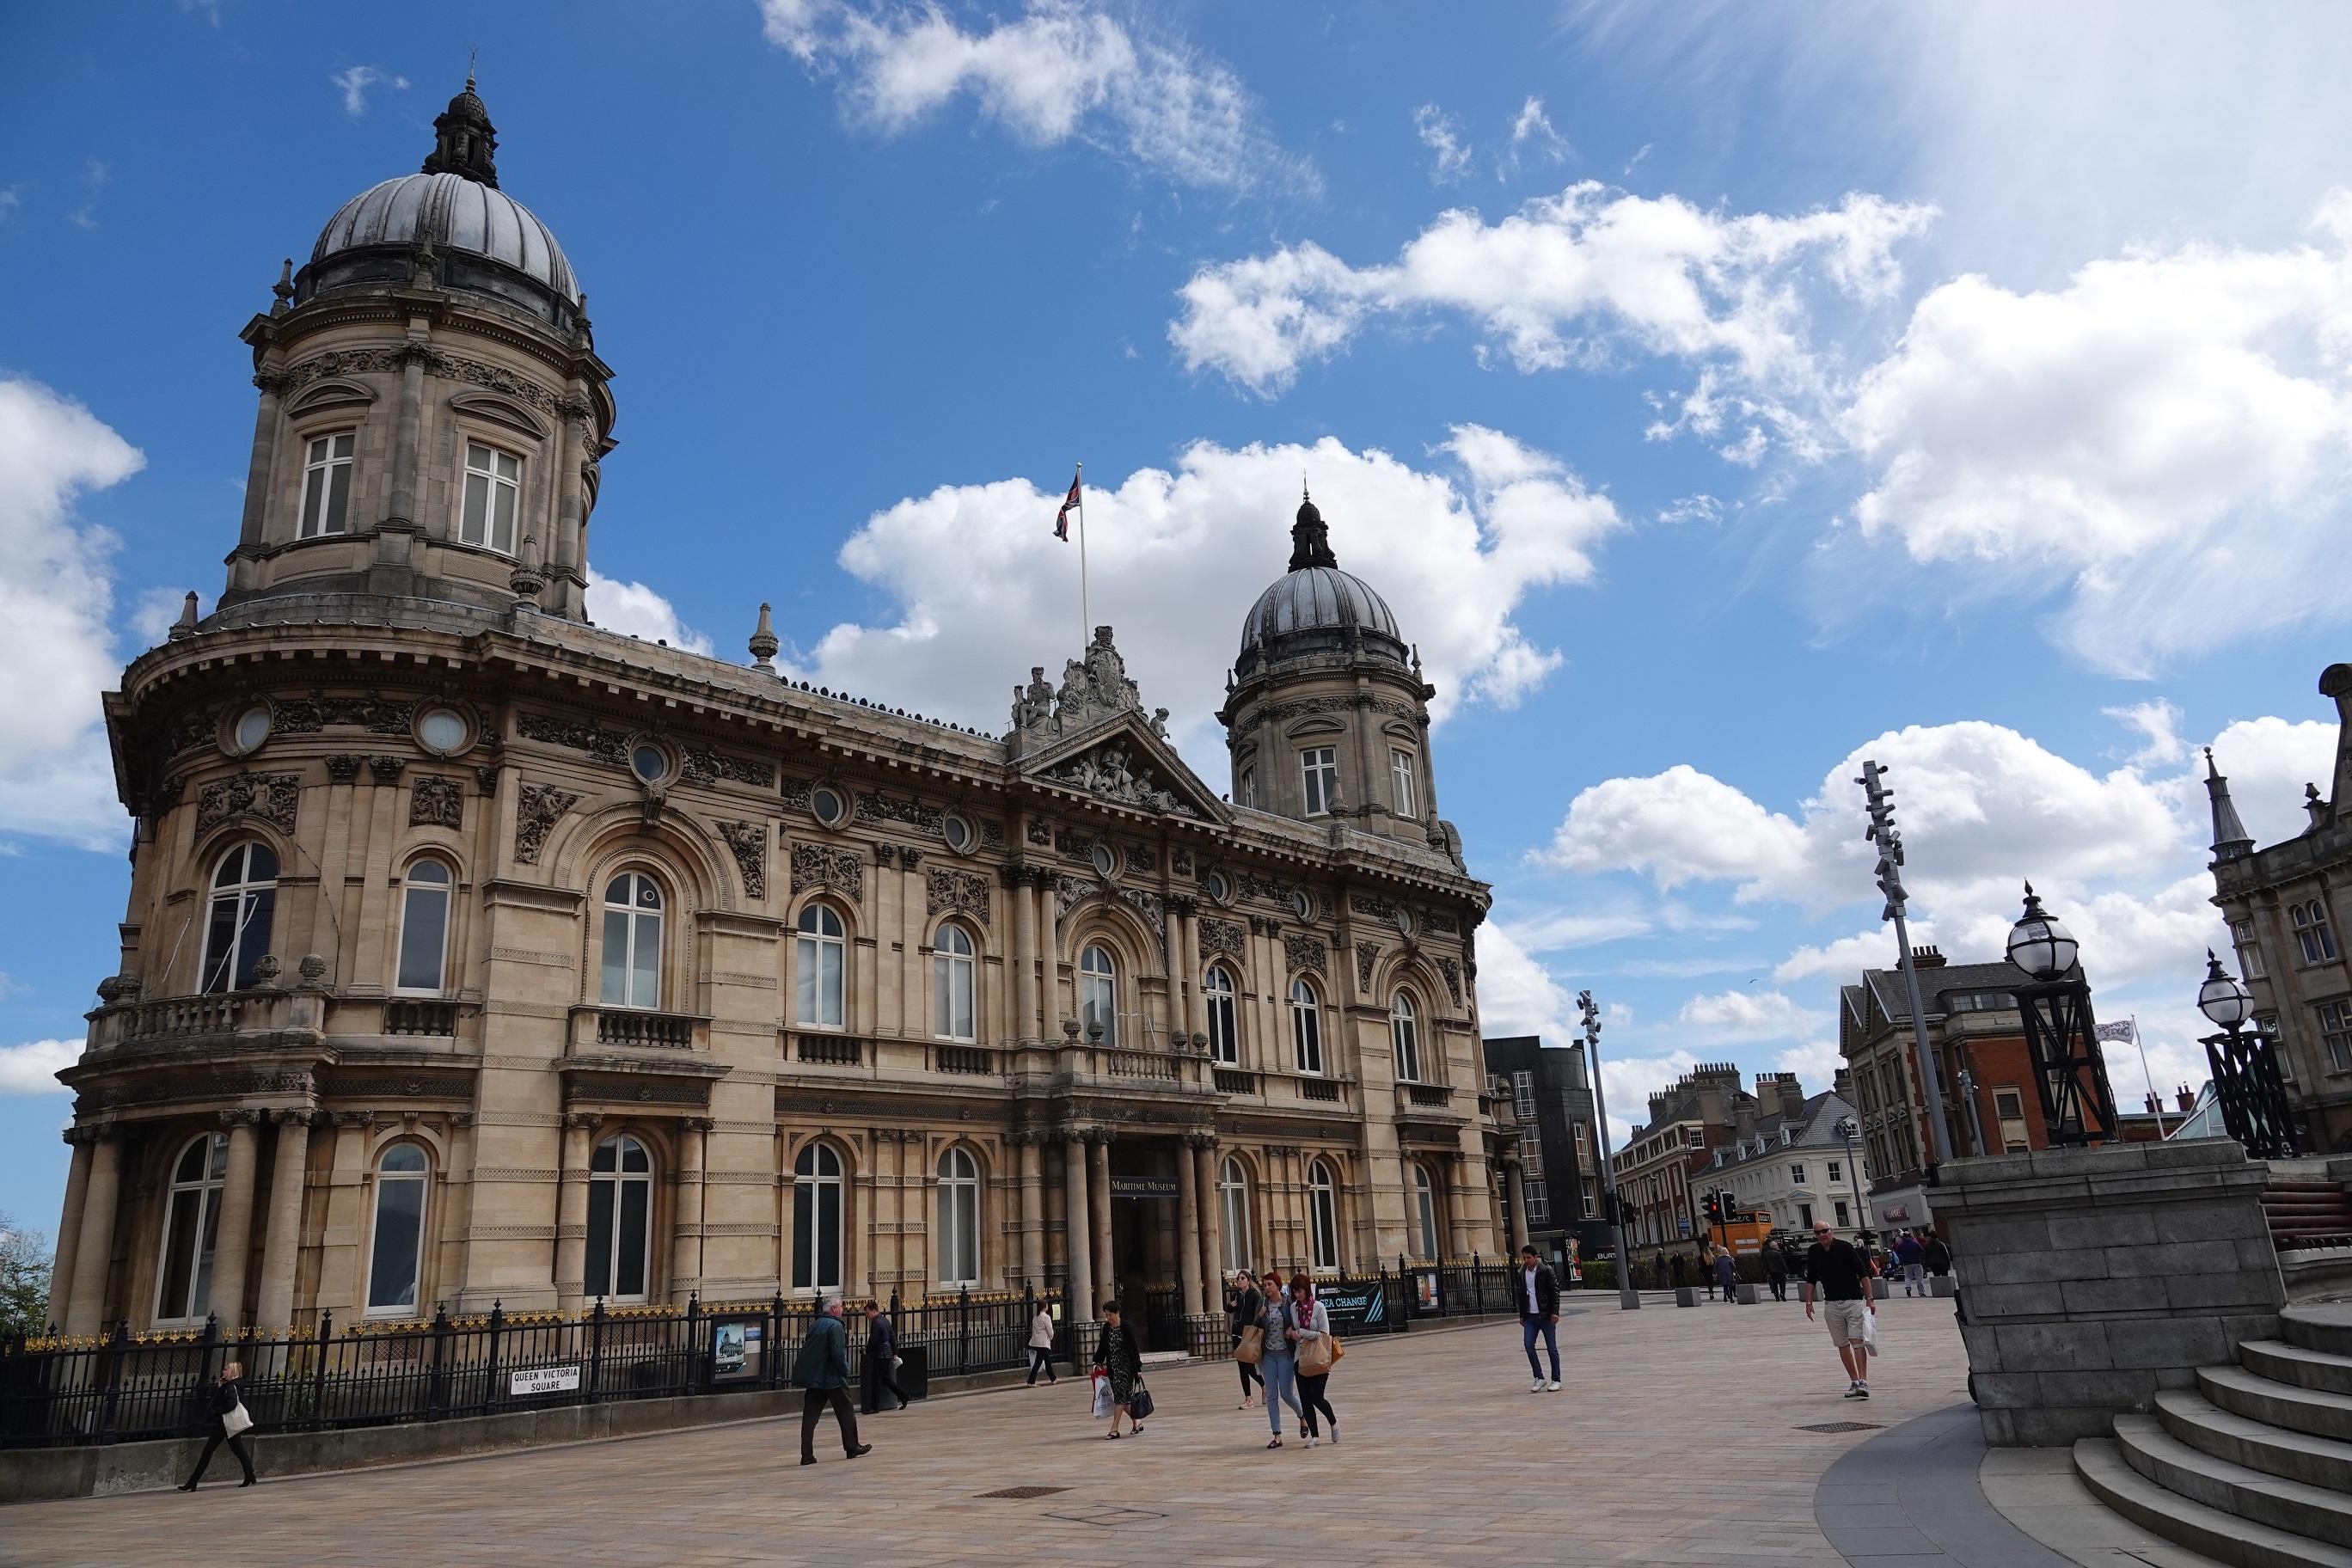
(823, 1373)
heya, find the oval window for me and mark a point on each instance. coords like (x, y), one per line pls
(650, 763)
(252, 728)
(958, 832)
(830, 808)
(1404, 918)
(1220, 886)
(1302, 906)
(1105, 861)
(442, 730)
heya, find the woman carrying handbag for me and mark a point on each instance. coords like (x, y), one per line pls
(1244, 1307)
(1309, 1325)
(1278, 1358)
(229, 1419)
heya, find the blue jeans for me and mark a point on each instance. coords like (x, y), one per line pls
(1281, 1374)
(1530, 1326)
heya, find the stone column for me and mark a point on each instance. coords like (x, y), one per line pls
(571, 1212)
(1033, 1210)
(1188, 1224)
(1213, 1219)
(281, 1237)
(1196, 1018)
(1457, 1208)
(407, 431)
(233, 1239)
(1049, 961)
(1514, 1179)
(1026, 1024)
(686, 1225)
(563, 557)
(94, 1244)
(62, 1267)
(1098, 1169)
(256, 468)
(1078, 1229)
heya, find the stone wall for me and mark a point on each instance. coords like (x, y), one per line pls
(2091, 1278)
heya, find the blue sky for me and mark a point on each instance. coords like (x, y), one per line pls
(1720, 394)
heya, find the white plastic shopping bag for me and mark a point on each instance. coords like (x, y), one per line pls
(1870, 1329)
(1102, 1395)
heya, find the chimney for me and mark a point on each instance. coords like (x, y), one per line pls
(2188, 1100)
(1768, 1096)
(2154, 1109)
(1841, 1084)
(1926, 958)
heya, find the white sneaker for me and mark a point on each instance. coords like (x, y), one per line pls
(1335, 1434)
(1536, 1387)
(1312, 1441)
(1551, 1385)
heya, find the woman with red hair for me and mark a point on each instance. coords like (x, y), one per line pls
(1307, 1320)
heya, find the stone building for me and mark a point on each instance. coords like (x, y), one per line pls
(1657, 1170)
(2282, 903)
(1792, 1159)
(476, 953)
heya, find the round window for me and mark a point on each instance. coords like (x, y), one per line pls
(958, 832)
(1404, 918)
(442, 730)
(648, 762)
(252, 728)
(829, 806)
(1220, 886)
(1105, 861)
(1302, 906)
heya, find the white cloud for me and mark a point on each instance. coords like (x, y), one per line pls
(56, 594)
(633, 609)
(1679, 826)
(156, 611)
(355, 83)
(94, 176)
(1532, 136)
(1517, 996)
(32, 1068)
(1063, 70)
(1634, 162)
(1729, 1016)
(1842, 958)
(2163, 425)
(1441, 137)
(983, 593)
(1565, 280)
(10, 195)
(2267, 761)
(2158, 724)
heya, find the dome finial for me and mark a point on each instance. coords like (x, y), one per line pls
(1311, 539)
(464, 140)
(473, 58)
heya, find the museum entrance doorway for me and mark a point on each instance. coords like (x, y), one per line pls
(1144, 1204)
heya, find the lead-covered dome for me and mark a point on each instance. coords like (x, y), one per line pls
(1316, 608)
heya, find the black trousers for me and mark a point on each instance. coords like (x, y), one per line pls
(878, 1378)
(1311, 1398)
(813, 1400)
(1249, 1375)
(1041, 1360)
(1780, 1286)
(236, 1446)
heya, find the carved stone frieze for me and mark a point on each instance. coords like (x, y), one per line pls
(748, 840)
(992, 834)
(1303, 950)
(272, 797)
(538, 808)
(1221, 936)
(1112, 773)
(1041, 833)
(875, 806)
(1453, 973)
(1379, 908)
(964, 891)
(1141, 861)
(1367, 954)
(1334, 704)
(575, 734)
(823, 865)
(1443, 924)
(1180, 862)
(376, 714)
(436, 802)
(795, 793)
(697, 765)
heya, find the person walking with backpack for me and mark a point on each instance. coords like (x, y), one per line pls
(1308, 1322)
(1538, 1315)
(228, 1404)
(822, 1370)
(1279, 1364)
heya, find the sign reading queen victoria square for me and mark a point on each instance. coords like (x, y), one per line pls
(528, 1380)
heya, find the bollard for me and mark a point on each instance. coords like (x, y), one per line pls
(1685, 1295)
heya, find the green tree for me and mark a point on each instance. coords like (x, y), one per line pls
(24, 1278)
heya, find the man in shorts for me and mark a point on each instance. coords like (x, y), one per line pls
(1838, 1276)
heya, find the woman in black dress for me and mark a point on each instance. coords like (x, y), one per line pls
(227, 1395)
(1121, 1359)
(1244, 1306)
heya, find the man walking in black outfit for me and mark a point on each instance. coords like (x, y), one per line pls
(881, 1370)
(1837, 1274)
(823, 1373)
(1775, 1269)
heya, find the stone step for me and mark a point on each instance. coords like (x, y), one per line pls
(2228, 1433)
(2319, 1326)
(2224, 1537)
(2296, 1507)
(2317, 1411)
(2282, 1362)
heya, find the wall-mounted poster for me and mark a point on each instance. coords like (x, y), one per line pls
(735, 1349)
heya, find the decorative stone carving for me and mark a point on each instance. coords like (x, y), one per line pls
(1367, 954)
(1453, 973)
(265, 971)
(1141, 861)
(1262, 925)
(1180, 862)
(387, 770)
(1303, 950)
(885, 853)
(537, 807)
(748, 840)
(876, 807)
(910, 856)
(486, 779)
(1110, 773)
(1333, 704)
(577, 735)
(823, 865)
(272, 797)
(698, 766)
(965, 892)
(312, 969)
(795, 793)
(1041, 833)
(1443, 924)
(1221, 936)
(343, 767)
(1069, 892)
(337, 362)
(992, 835)
(1379, 908)
(307, 715)
(196, 727)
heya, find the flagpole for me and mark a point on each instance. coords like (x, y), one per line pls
(1086, 610)
(2152, 1095)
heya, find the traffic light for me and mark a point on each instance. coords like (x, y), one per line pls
(1730, 1206)
(1714, 1208)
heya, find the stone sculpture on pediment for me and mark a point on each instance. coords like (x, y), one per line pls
(1112, 772)
(272, 797)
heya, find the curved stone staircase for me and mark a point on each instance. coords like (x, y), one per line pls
(2253, 1466)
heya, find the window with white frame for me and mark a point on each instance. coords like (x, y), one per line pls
(1245, 792)
(1234, 1211)
(1323, 1217)
(959, 1218)
(952, 984)
(816, 1219)
(493, 496)
(2249, 949)
(820, 966)
(633, 942)
(1523, 1097)
(1584, 1133)
(1405, 1034)
(1796, 1175)
(1531, 1149)
(620, 1220)
(1538, 1195)
(2336, 1034)
(1098, 992)
(2008, 1109)
(424, 929)
(1424, 1213)
(238, 917)
(327, 485)
(183, 1282)
(2312, 932)
(1306, 1026)
(397, 1242)
(1401, 779)
(1319, 769)
(1225, 1035)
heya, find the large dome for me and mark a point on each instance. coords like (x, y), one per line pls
(1316, 608)
(455, 213)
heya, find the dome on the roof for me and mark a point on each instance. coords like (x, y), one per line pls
(454, 214)
(1316, 608)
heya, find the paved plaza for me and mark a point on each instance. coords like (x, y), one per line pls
(1679, 1440)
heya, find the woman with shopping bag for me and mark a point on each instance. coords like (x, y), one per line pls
(1278, 1358)
(229, 1421)
(1119, 1360)
(1308, 1323)
(1243, 1307)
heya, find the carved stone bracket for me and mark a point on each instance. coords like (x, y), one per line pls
(387, 770)
(538, 808)
(1452, 973)
(343, 767)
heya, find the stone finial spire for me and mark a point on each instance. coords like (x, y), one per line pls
(763, 643)
(186, 626)
(1310, 538)
(2315, 806)
(282, 291)
(464, 140)
(2231, 839)
(527, 581)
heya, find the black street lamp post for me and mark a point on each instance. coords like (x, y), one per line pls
(2246, 1081)
(1846, 1130)
(2070, 1075)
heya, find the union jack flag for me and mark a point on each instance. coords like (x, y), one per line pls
(1062, 518)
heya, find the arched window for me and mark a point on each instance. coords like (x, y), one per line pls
(620, 1219)
(397, 1246)
(816, 1219)
(959, 1218)
(1404, 1033)
(633, 940)
(236, 921)
(1234, 1211)
(424, 928)
(952, 984)
(1225, 1038)
(1307, 1026)
(1098, 992)
(191, 1217)
(1323, 1215)
(1424, 1214)
(820, 961)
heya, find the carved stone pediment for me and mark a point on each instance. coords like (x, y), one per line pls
(1116, 773)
